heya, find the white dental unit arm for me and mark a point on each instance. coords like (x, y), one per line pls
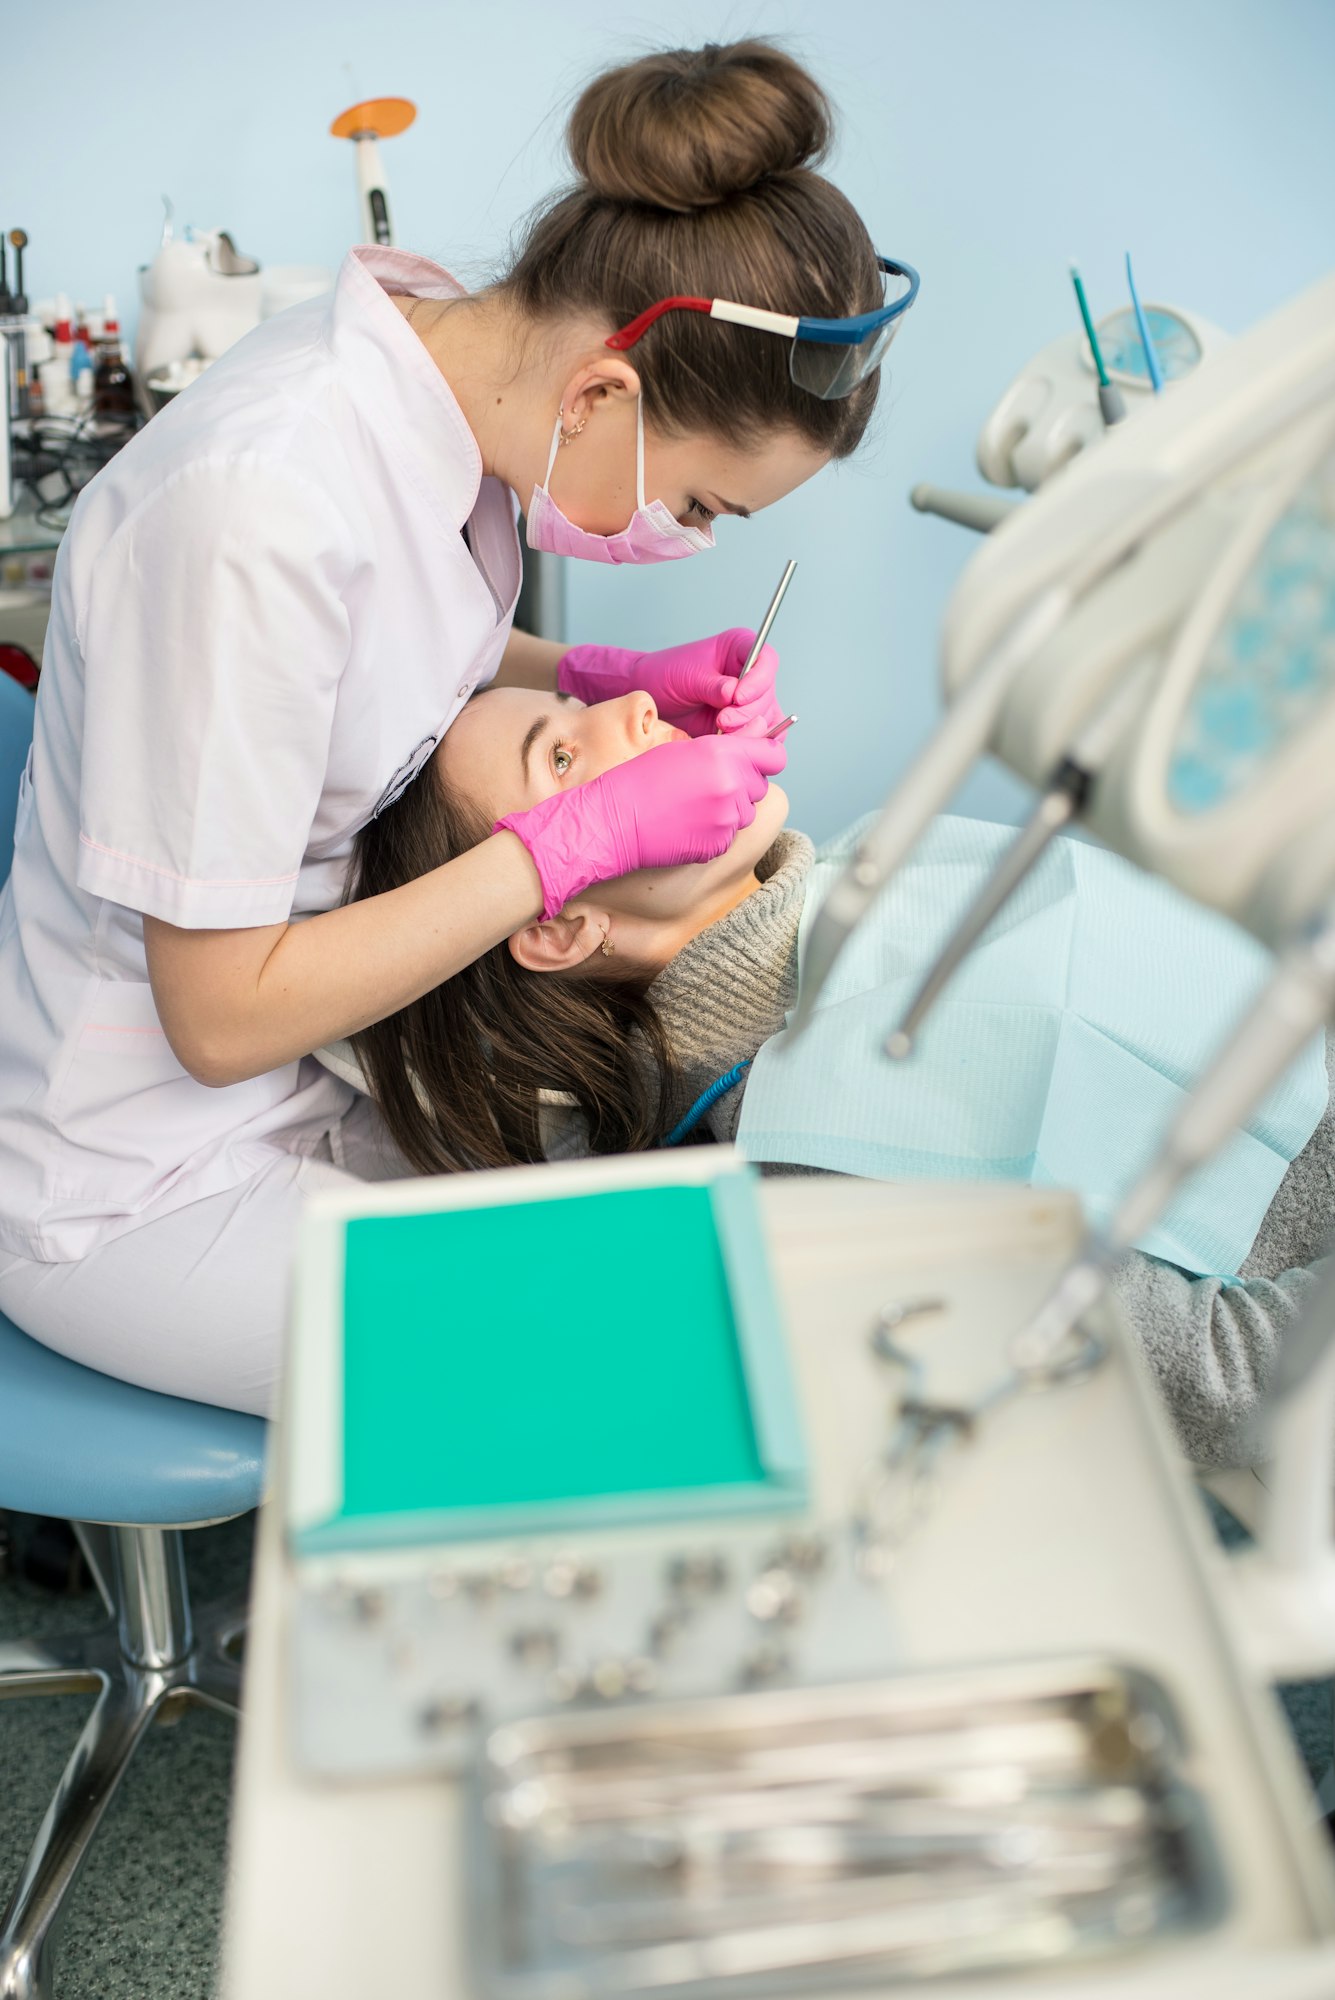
(1151, 642)
(1076, 697)
(1051, 410)
(1053, 567)
(1219, 779)
(1195, 550)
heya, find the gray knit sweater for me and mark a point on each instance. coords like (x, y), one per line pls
(1211, 1344)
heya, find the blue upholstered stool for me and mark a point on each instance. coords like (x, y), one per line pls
(131, 1470)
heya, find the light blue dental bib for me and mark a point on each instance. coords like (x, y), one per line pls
(1056, 1055)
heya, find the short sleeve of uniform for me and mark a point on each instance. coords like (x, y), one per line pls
(214, 635)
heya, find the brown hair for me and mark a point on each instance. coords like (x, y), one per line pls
(696, 178)
(456, 1074)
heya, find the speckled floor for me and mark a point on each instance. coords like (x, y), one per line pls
(143, 1920)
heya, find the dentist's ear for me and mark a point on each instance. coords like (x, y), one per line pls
(605, 378)
(562, 943)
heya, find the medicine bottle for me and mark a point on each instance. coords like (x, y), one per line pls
(113, 391)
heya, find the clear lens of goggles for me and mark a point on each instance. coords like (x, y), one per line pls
(828, 369)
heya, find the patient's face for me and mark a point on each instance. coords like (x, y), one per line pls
(511, 747)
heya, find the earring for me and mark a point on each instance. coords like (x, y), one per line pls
(608, 946)
(575, 429)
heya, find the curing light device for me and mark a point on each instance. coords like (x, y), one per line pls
(365, 124)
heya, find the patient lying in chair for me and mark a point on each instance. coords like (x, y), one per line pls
(602, 1030)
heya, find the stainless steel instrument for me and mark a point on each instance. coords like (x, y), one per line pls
(767, 621)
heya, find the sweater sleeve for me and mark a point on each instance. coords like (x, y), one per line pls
(1211, 1344)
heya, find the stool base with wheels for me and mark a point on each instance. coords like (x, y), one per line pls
(132, 1470)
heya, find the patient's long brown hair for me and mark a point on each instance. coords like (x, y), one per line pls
(482, 1045)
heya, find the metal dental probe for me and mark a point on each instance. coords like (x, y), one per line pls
(768, 620)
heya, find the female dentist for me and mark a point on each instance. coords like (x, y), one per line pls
(270, 606)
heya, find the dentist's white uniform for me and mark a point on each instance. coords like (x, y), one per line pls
(265, 615)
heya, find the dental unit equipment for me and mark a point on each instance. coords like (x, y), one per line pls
(778, 728)
(1148, 642)
(1126, 534)
(1050, 411)
(1093, 686)
(768, 620)
(1223, 785)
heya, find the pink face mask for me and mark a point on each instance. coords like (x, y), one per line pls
(653, 535)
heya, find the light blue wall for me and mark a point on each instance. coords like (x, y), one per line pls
(988, 141)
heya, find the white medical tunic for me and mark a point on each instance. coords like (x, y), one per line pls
(265, 614)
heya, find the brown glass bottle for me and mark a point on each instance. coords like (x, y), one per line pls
(113, 391)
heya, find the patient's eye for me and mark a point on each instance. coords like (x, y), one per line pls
(697, 507)
(562, 759)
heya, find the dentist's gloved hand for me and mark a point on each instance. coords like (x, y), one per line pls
(694, 686)
(679, 802)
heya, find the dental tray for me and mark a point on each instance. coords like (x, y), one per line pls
(537, 1351)
(818, 1838)
(545, 1446)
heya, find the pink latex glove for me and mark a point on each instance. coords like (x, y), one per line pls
(679, 802)
(695, 685)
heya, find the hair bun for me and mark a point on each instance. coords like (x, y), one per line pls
(688, 128)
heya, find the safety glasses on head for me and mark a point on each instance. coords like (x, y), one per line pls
(828, 357)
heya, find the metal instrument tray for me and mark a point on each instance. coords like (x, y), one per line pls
(817, 1838)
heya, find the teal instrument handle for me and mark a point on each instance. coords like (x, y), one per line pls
(1090, 334)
